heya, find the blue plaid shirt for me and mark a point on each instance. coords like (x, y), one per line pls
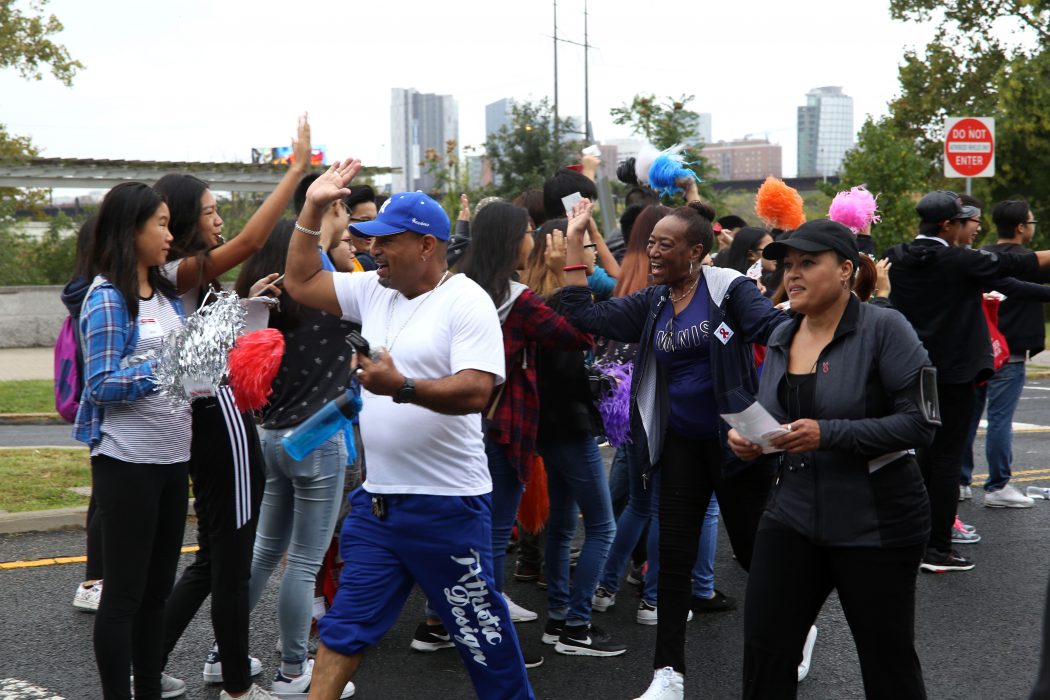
(108, 336)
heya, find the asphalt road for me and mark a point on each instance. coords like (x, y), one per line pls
(978, 633)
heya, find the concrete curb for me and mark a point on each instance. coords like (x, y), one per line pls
(43, 520)
(31, 419)
(74, 518)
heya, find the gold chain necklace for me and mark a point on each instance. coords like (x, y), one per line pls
(393, 305)
(685, 293)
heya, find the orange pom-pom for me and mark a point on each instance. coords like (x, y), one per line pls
(254, 362)
(535, 506)
(779, 206)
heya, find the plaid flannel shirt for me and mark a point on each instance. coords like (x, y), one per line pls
(108, 336)
(515, 422)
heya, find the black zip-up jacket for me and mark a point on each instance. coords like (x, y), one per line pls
(861, 488)
(938, 288)
(1021, 315)
(734, 300)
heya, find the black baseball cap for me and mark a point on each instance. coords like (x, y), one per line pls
(816, 236)
(939, 206)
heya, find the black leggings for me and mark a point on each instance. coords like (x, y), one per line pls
(690, 471)
(941, 462)
(93, 570)
(222, 566)
(141, 509)
(791, 578)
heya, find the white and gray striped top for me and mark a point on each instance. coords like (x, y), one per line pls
(147, 431)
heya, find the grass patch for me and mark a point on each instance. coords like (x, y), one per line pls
(32, 479)
(27, 396)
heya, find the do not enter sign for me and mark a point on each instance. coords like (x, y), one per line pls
(969, 147)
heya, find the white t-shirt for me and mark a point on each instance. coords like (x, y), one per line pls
(190, 298)
(411, 449)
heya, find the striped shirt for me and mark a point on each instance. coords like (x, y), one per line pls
(147, 430)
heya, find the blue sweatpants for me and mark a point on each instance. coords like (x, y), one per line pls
(443, 543)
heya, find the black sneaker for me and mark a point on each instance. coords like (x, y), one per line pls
(431, 637)
(719, 603)
(587, 640)
(526, 571)
(553, 630)
(939, 562)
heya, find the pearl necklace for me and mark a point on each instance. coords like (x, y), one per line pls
(393, 305)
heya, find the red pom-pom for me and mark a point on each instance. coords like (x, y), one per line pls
(535, 507)
(254, 362)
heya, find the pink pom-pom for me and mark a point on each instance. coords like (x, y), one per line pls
(855, 209)
(254, 362)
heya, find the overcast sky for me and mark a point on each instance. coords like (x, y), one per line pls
(210, 79)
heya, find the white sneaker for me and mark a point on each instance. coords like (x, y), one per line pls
(667, 684)
(213, 666)
(1007, 497)
(647, 614)
(965, 493)
(602, 599)
(170, 686)
(254, 693)
(807, 654)
(299, 687)
(518, 613)
(88, 598)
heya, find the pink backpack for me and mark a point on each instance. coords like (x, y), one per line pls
(68, 380)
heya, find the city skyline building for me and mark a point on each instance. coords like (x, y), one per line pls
(825, 131)
(498, 114)
(745, 159)
(419, 121)
(701, 126)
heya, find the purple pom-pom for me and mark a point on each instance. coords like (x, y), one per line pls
(615, 406)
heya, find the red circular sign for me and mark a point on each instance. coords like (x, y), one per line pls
(969, 147)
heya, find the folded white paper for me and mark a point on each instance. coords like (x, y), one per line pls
(757, 425)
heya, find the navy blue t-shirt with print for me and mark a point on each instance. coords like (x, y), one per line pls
(683, 348)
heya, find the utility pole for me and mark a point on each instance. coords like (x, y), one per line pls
(556, 72)
(586, 80)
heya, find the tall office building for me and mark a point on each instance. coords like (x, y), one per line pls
(497, 115)
(419, 121)
(825, 131)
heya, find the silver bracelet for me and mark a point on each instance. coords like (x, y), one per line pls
(315, 234)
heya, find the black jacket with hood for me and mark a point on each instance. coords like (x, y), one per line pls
(939, 290)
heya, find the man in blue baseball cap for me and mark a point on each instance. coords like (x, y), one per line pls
(423, 515)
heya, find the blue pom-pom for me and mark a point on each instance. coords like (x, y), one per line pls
(667, 169)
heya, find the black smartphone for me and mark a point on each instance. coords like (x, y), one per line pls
(279, 282)
(357, 341)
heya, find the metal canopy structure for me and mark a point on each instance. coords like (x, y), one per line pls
(85, 173)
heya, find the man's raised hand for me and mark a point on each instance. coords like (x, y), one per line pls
(332, 184)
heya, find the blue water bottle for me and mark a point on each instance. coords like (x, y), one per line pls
(308, 435)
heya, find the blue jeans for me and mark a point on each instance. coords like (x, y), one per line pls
(575, 484)
(506, 496)
(1002, 394)
(300, 506)
(619, 481)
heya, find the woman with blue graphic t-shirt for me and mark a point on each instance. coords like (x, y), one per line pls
(139, 445)
(694, 330)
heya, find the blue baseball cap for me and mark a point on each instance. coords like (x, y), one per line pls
(407, 211)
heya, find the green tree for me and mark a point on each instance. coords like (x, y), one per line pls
(26, 44)
(891, 166)
(965, 70)
(665, 123)
(524, 153)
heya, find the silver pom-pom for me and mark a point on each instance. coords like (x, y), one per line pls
(193, 360)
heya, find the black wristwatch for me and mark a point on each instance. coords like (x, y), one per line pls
(407, 392)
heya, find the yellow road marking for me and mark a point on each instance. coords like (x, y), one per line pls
(1026, 472)
(65, 560)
